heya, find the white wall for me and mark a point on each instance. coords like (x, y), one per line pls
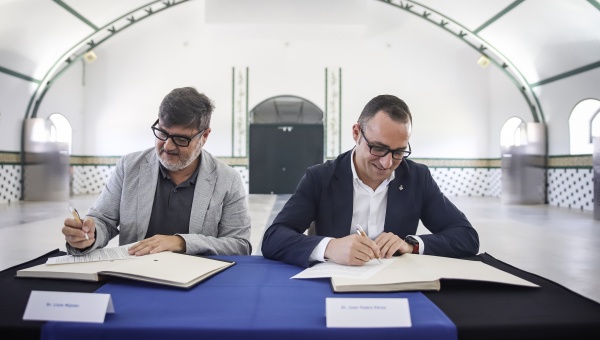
(506, 101)
(558, 100)
(14, 96)
(66, 97)
(458, 107)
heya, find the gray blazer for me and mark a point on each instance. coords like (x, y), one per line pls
(219, 221)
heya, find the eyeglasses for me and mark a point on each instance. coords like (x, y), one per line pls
(177, 139)
(381, 151)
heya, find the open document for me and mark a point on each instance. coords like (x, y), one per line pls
(100, 254)
(332, 269)
(166, 268)
(408, 272)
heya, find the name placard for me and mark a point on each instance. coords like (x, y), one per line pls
(66, 306)
(367, 312)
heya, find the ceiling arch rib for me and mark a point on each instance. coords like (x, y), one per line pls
(477, 43)
(89, 43)
(497, 16)
(76, 14)
(413, 7)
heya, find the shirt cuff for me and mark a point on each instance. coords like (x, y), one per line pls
(318, 254)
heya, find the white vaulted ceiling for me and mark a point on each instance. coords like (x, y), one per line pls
(541, 40)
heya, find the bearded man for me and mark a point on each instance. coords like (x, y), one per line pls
(173, 197)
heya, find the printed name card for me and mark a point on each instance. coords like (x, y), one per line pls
(365, 312)
(64, 306)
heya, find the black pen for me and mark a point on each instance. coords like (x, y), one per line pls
(361, 232)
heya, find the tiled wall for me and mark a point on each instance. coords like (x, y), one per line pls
(10, 183)
(571, 188)
(10, 177)
(468, 181)
(90, 179)
(570, 182)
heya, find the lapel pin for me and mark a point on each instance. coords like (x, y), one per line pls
(401, 187)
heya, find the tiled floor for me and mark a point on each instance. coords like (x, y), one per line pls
(557, 243)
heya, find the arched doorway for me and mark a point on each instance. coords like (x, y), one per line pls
(286, 137)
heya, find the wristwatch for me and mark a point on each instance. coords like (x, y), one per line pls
(414, 242)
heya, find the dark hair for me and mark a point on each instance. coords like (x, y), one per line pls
(393, 106)
(186, 107)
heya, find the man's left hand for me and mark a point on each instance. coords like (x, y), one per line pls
(390, 243)
(157, 244)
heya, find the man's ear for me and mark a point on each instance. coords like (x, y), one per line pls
(205, 135)
(356, 132)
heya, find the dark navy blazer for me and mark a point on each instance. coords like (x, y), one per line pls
(325, 196)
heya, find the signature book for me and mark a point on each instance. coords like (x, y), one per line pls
(411, 272)
(165, 268)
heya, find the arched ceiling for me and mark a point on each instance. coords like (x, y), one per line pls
(535, 42)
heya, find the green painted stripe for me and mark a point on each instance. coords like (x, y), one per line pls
(233, 111)
(339, 118)
(576, 167)
(325, 117)
(567, 74)
(571, 156)
(76, 14)
(462, 167)
(247, 122)
(595, 4)
(18, 75)
(498, 16)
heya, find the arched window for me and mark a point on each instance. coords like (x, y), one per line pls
(583, 124)
(60, 130)
(513, 132)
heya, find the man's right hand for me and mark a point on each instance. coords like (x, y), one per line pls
(353, 250)
(75, 232)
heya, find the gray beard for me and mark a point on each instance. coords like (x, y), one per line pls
(182, 163)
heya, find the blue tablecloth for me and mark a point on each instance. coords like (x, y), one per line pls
(254, 299)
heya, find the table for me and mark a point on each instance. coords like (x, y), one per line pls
(479, 310)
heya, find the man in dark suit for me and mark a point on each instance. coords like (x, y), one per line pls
(374, 186)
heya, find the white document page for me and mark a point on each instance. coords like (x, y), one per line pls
(449, 268)
(422, 268)
(331, 269)
(101, 254)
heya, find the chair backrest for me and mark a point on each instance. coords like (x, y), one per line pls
(311, 230)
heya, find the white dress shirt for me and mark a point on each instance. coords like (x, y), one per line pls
(368, 210)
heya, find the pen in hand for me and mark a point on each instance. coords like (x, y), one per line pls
(78, 219)
(361, 232)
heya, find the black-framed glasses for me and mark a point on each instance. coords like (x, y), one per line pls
(381, 151)
(179, 140)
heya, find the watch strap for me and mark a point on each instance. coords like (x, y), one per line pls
(414, 242)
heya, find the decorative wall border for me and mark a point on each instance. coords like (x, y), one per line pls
(558, 161)
(93, 160)
(10, 157)
(239, 112)
(458, 163)
(333, 112)
(568, 161)
(569, 178)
